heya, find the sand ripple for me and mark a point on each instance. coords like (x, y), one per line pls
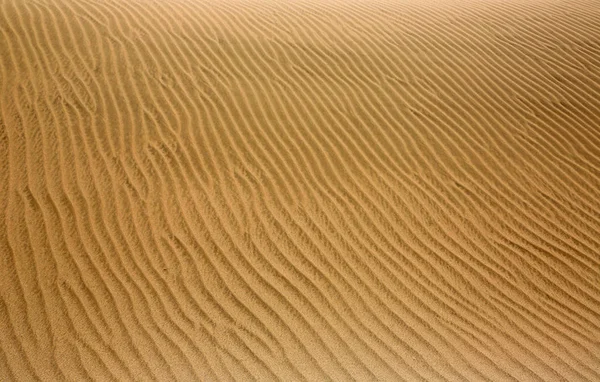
(299, 191)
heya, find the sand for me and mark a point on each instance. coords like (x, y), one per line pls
(266, 190)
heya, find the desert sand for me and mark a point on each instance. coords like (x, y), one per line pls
(291, 190)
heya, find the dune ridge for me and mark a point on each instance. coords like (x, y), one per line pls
(299, 190)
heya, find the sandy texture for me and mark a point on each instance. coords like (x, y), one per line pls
(299, 191)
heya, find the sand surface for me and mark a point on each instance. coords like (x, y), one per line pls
(267, 190)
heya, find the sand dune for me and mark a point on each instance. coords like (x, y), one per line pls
(299, 190)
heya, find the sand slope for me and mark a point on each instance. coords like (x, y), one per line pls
(299, 191)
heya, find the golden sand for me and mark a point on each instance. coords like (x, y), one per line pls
(299, 190)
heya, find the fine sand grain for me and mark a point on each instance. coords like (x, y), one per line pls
(295, 190)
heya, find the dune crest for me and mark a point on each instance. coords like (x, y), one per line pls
(299, 190)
